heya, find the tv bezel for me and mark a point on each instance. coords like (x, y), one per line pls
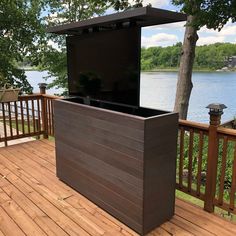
(71, 68)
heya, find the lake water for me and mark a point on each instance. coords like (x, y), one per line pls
(158, 91)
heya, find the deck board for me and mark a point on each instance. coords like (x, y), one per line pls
(34, 202)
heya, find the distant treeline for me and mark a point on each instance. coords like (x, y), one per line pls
(208, 57)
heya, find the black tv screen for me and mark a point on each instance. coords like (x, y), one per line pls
(105, 65)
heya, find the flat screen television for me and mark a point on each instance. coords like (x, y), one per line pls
(105, 65)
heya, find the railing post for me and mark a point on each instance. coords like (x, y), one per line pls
(42, 87)
(216, 111)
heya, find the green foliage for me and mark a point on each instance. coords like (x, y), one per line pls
(23, 35)
(213, 56)
(230, 149)
(209, 57)
(54, 59)
(54, 62)
(21, 28)
(75, 10)
(158, 57)
(213, 14)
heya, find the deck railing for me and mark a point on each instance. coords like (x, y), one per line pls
(206, 160)
(191, 158)
(226, 170)
(30, 116)
(206, 164)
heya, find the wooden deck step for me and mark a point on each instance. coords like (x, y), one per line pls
(34, 202)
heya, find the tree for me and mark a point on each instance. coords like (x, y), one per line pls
(54, 58)
(23, 34)
(210, 13)
(208, 57)
(21, 28)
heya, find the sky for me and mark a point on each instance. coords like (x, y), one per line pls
(169, 34)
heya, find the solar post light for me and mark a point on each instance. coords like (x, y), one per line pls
(216, 108)
(215, 112)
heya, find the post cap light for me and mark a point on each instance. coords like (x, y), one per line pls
(216, 108)
(42, 85)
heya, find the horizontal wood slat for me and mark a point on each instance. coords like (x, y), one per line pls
(34, 202)
(33, 116)
(131, 184)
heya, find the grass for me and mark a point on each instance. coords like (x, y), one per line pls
(20, 127)
(200, 203)
(51, 138)
(188, 198)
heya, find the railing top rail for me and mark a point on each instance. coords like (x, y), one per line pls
(195, 125)
(31, 95)
(226, 131)
(228, 122)
(28, 97)
(51, 96)
(36, 96)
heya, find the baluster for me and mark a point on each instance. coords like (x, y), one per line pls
(223, 169)
(52, 118)
(181, 157)
(190, 160)
(16, 118)
(199, 171)
(39, 116)
(33, 116)
(22, 117)
(9, 119)
(4, 123)
(233, 184)
(27, 115)
(49, 117)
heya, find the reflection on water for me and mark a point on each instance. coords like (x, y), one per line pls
(158, 91)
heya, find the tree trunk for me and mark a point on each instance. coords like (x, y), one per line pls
(184, 85)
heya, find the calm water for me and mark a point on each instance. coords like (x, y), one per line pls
(158, 91)
(36, 77)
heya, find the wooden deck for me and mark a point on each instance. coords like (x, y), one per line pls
(34, 202)
(12, 142)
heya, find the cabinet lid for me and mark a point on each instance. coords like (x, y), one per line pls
(143, 16)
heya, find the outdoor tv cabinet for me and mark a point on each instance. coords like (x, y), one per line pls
(124, 163)
(117, 154)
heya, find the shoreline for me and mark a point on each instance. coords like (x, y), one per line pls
(194, 70)
(158, 70)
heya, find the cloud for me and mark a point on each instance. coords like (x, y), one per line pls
(210, 40)
(53, 44)
(156, 3)
(209, 36)
(228, 30)
(161, 39)
(175, 26)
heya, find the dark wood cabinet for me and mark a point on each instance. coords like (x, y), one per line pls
(124, 163)
(119, 155)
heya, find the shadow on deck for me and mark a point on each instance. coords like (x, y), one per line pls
(34, 202)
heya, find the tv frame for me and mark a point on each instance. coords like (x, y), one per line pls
(135, 32)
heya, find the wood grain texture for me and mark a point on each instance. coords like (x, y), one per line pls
(159, 170)
(119, 161)
(57, 209)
